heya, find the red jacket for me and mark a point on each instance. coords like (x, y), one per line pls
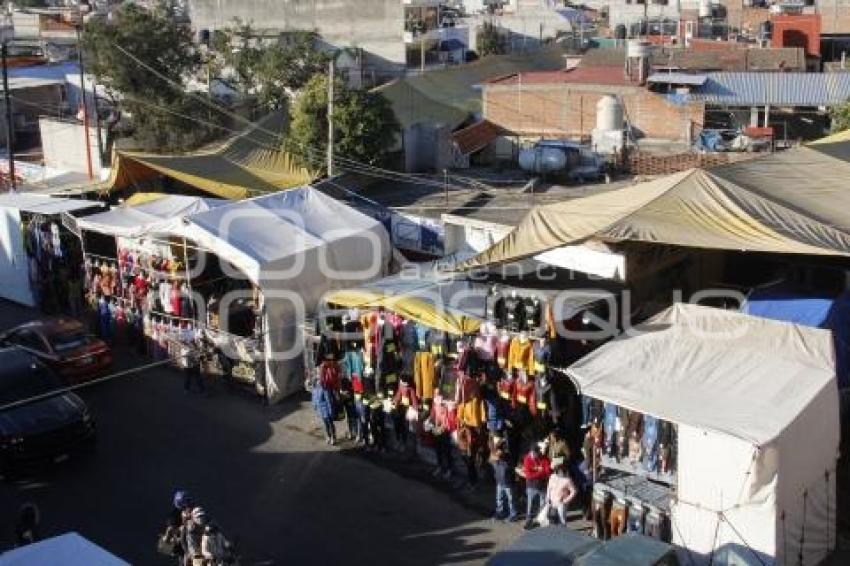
(536, 470)
(329, 375)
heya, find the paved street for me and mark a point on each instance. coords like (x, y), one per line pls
(263, 472)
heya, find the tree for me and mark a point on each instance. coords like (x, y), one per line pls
(491, 40)
(365, 126)
(269, 69)
(840, 117)
(143, 58)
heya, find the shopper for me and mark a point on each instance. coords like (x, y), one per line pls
(346, 395)
(535, 468)
(561, 490)
(191, 362)
(557, 447)
(194, 534)
(214, 547)
(503, 474)
(27, 530)
(323, 404)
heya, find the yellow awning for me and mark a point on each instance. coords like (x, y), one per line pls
(250, 163)
(412, 308)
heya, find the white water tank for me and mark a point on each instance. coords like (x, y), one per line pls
(705, 8)
(637, 49)
(543, 160)
(609, 114)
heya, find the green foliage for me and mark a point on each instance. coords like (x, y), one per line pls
(268, 68)
(491, 40)
(365, 126)
(840, 116)
(163, 118)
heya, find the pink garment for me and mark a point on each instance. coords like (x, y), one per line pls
(485, 346)
(561, 490)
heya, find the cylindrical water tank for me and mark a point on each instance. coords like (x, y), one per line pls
(620, 31)
(543, 160)
(637, 49)
(609, 114)
(704, 8)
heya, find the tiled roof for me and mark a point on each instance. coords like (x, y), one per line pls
(602, 75)
(476, 137)
(778, 89)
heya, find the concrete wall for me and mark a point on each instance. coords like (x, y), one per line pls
(377, 26)
(565, 110)
(64, 146)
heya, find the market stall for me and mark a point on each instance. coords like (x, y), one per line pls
(40, 257)
(745, 396)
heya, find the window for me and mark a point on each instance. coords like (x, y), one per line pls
(69, 340)
(28, 339)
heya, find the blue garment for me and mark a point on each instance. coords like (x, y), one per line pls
(505, 494)
(409, 337)
(352, 363)
(323, 402)
(422, 333)
(650, 443)
(609, 424)
(495, 411)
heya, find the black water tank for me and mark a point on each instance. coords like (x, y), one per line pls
(620, 32)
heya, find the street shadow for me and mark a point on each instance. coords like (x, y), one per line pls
(263, 473)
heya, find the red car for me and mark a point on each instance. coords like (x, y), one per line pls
(64, 345)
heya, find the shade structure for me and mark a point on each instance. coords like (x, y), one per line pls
(792, 202)
(294, 245)
(69, 549)
(15, 282)
(755, 391)
(252, 162)
(145, 212)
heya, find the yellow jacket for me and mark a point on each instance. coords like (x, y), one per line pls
(521, 356)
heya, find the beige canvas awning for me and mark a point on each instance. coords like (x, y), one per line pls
(794, 202)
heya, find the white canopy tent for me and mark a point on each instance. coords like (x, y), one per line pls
(295, 246)
(14, 267)
(69, 549)
(132, 220)
(756, 404)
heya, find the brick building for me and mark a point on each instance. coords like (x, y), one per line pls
(563, 104)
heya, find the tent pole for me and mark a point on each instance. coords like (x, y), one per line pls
(192, 309)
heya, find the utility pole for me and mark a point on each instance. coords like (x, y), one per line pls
(7, 101)
(85, 105)
(446, 186)
(331, 118)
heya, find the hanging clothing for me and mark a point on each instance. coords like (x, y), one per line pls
(329, 375)
(485, 347)
(472, 413)
(533, 313)
(467, 389)
(328, 349)
(514, 313)
(521, 356)
(406, 396)
(502, 350)
(424, 374)
(525, 395)
(542, 356)
(353, 364)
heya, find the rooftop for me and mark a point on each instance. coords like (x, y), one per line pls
(602, 75)
(729, 57)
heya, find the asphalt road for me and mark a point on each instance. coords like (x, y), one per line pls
(263, 473)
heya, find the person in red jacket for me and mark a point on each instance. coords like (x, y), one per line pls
(536, 469)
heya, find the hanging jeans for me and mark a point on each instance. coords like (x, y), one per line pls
(610, 426)
(505, 501)
(636, 517)
(352, 418)
(363, 420)
(601, 513)
(650, 443)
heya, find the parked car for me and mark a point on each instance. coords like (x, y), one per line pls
(557, 546)
(63, 345)
(48, 429)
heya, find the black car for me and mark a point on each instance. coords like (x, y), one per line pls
(48, 429)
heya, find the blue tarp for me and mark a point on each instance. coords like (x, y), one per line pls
(818, 311)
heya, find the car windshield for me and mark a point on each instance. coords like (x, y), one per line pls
(33, 381)
(68, 340)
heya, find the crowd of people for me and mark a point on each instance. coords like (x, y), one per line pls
(191, 538)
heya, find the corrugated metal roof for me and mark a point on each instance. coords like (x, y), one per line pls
(779, 89)
(476, 137)
(677, 79)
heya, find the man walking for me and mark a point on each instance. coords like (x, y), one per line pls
(504, 480)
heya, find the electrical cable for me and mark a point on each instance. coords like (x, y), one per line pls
(78, 386)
